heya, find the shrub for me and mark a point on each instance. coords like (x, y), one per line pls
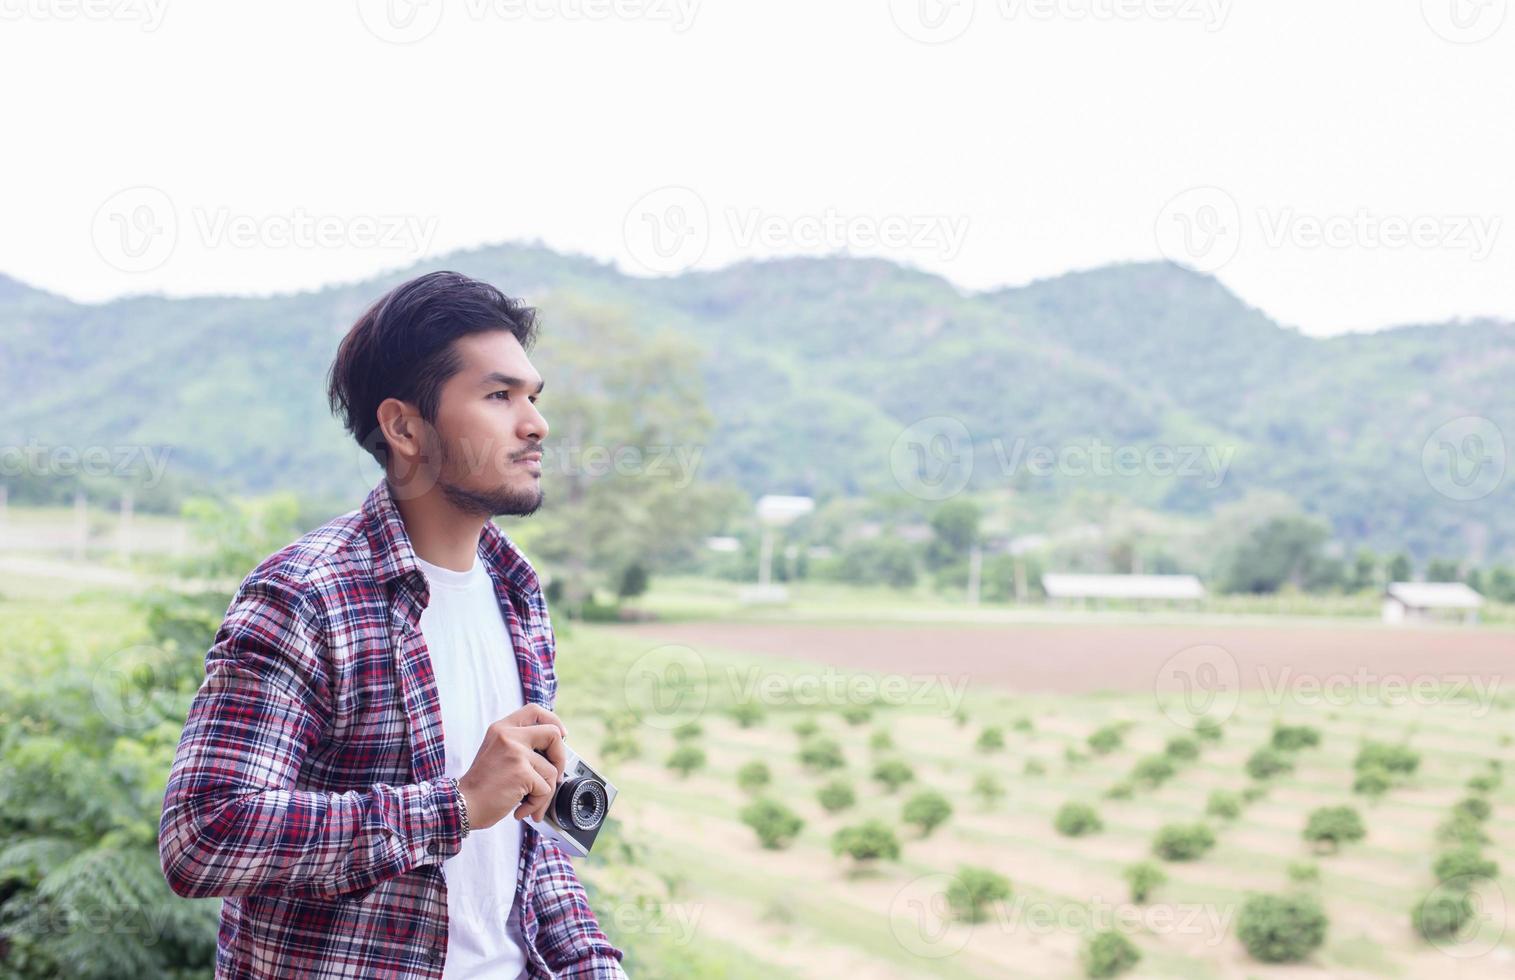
(1483, 783)
(1442, 914)
(1183, 747)
(1122, 790)
(1183, 842)
(806, 727)
(1105, 740)
(867, 841)
(688, 730)
(991, 740)
(1034, 767)
(620, 745)
(880, 741)
(1474, 807)
(1223, 804)
(1109, 954)
(747, 713)
(1143, 877)
(1461, 867)
(1253, 793)
(1372, 782)
(1074, 758)
(1292, 738)
(836, 796)
(773, 822)
(822, 754)
(1281, 928)
(1207, 730)
(686, 759)
(988, 788)
(1304, 872)
(753, 776)
(1329, 827)
(1461, 829)
(857, 714)
(1023, 725)
(1266, 763)
(927, 810)
(1154, 770)
(1397, 760)
(972, 891)
(1077, 819)
(893, 774)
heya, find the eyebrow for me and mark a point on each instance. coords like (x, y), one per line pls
(496, 378)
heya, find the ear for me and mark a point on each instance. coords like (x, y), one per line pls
(399, 421)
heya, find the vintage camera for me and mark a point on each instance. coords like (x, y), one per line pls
(578, 808)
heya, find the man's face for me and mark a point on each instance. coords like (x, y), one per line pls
(489, 429)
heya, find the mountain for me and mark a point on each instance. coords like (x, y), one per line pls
(814, 368)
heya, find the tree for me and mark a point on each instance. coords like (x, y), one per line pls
(991, 739)
(822, 754)
(866, 842)
(1329, 827)
(1184, 748)
(1442, 914)
(1281, 928)
(1400, 568)
(1183, 842)
(1226, 806)
(1397, 760)
(1292, 738)
(893, 774)
(1077, 819)
(1287, 549)
(1143, 877)
(954, 526)
(1463, 866)
(1266, 763)
(836, 795)
(1106, 739)
(1109, 954)
(927, 810)
(753, 776)
(686, 759)
(1154, 770)
(774, 823)
(988, 789)
(973, 890)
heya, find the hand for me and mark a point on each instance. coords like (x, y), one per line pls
(517, 768)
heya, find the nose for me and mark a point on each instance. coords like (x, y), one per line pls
(533, 425)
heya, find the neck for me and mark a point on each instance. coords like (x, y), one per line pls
(439, 532)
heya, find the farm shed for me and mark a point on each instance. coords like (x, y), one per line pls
(1419, 602)
(1125, 588)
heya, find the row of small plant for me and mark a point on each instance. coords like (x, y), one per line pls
(1449, 908)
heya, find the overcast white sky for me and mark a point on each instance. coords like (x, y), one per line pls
(1342, 165)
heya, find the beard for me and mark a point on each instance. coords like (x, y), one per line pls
(495, 502)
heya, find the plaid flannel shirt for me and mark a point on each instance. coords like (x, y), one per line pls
(308, 790)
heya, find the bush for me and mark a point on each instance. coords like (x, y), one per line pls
(747, 713)
(973, 889)
(620, 745)
(1329, 827)
(753, 776)
(867, 841)
(686, 759)
(1397, 760)
(1442, 914)
(988, 788)
(1122, 790)
(1292, 738)
(1077, 819)
(1461, 829)
(990, 740)
(927, 810)
(773, 822)
(1222, 804)
(1281, 928)
(1034, 767)
(857, 714)
(1483, 783)
(1154, 770)
(1266, 763)
(688, 730)
(1372, 782)
(1105, 740)
(1143, 877)
(836, 796)
(1462, 867)
(806, 727)
(1207, 730)
(1304, 872)
(1473, 807)
(1253, 793)
(1183, 842)
(1182, 747)
(880, 741)
(892, 774)
(1023, 725)
(822, 754)
(1109, 954)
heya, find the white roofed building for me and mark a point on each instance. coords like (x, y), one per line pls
(1128, 588)
(1419, 602)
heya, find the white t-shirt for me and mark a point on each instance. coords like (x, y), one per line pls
(478, 683)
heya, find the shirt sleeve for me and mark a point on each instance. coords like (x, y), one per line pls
(568, 935)
(233, 824)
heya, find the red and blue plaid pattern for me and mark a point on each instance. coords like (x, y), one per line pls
(309, 790)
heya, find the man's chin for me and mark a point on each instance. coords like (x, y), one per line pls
(496, 501)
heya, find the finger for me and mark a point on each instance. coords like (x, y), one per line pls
(535, 714)
(538, 793)
(549, 741)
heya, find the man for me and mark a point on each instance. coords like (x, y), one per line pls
(375, 721)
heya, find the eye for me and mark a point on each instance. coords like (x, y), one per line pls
(505, 393)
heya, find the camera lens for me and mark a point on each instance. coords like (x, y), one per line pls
(581, 803)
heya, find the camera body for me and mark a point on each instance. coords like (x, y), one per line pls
(578, 808)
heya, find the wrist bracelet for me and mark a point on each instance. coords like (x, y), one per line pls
(463, 810)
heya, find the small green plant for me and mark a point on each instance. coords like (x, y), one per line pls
(1223, 804)
(1023, 725)
(988, 789)
(1103, 741)
(1153, 770)
(1183, 842)
(822, 754)
(1397, 760)
(1122, 790)
(1207, 730)
(1463, 830)
(1372, 782)
(1251, 794)
(806, 727)
(1475, 807)
(926, 810)
(753, 776)
(1073, 758)
(973, 890)
(1109, 954)
(1268, 762)
(857, 714)
(1184, 748)
(1034, 767)
(866, 842)
(620, 745)
(1077, 820)
(892, 774)
(747, 714)
(688, 731)
(1462, 867)
(1329, 827)
(686, 758)
(1483, 783)
(774, 823)
(1292, 738)
(836, 796)
(1442, 914)
(1281, 928)
(991, 740)
(1144, 877)
(1304, 872)
(880, 741)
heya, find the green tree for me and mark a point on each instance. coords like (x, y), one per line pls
(774, 823)
(1281, 928)
(973, 890)
(927, 811)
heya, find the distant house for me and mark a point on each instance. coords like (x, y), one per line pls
(1419, 602)
(1139, 588)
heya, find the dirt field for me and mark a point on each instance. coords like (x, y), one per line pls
(1088, 658)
